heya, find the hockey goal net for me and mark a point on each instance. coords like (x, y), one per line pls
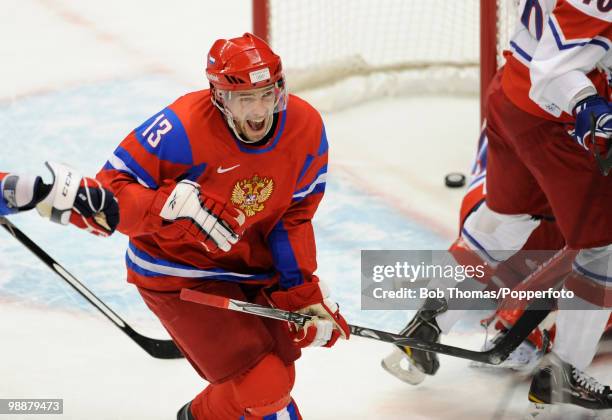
(347, 51)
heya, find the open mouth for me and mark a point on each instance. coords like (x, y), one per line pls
(256, 125)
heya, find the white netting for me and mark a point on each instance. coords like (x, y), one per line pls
(507, 18)
(379, 47)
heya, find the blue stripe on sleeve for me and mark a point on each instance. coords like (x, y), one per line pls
(284, 257)
(316, 186)
(133, 166)
(323, 146)
(164, 136)
(293, 413)
(568, 45)
(530, 6)
(600, 42)
(520, 51)
(307, 163)
(195, 172)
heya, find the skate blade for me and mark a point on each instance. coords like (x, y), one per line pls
(539, 411)
(397, 364)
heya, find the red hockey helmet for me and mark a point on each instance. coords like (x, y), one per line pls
(242, 63)
(247, 85)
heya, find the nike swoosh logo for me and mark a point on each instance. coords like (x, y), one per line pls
(221, 170)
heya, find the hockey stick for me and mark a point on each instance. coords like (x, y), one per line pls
(494, 356)
(160, 349)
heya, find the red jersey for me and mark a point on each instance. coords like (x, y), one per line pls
(278, 186)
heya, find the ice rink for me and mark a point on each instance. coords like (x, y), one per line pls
(75, 78)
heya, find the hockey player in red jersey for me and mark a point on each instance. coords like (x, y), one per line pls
(70, 198)
(549, 122)
(217, 194)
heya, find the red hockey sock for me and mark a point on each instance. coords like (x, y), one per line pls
(265, 389)
(261, 391)
(216, 402)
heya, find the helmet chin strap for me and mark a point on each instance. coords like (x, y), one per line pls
(230, 121)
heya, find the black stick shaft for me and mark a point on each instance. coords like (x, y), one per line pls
(161, 349)
(494, 356)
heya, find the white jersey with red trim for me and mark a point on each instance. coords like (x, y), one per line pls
(564, 49)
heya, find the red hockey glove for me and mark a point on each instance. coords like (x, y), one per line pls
(95, 208)
(313, 299)
(207, 220)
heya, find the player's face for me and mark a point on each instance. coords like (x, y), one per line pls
(252, 111)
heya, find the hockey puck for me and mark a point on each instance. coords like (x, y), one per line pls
(454, 180)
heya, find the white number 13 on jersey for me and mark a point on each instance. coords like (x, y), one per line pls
(161, 126)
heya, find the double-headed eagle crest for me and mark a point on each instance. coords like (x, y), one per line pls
(250, 194)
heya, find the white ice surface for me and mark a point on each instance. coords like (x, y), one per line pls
(75, 77)
(102, 375)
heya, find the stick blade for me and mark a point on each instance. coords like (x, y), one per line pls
(159, 349)
(207, 299)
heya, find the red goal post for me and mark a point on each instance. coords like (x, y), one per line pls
(405, 46)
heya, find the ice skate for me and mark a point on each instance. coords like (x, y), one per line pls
(560, 390)
(418, 363)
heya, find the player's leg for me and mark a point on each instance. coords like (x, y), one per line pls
(242, 359)
(546, 237)
(262, 391)
(581, 199)
(581, 322)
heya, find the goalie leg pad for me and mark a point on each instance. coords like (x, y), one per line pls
(497, 236)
